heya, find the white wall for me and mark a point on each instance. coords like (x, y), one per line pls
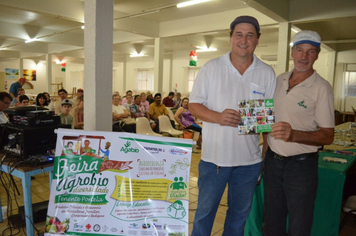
(346, 57)
(322, 66)
(175, 71)
(39, 86)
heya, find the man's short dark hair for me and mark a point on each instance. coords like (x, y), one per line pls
(137, 96)
(23, 97)
(62, 90)
(5, 95)
(171, 94)
(20, 89)
(128, 91)
(157, 94)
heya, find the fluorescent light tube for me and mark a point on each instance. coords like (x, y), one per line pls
(189, 3)
(135, 54)
(205, 49)
(30, 40)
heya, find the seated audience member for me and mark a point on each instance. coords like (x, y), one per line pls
(158, 109)
(50, 105)
(5, 99)
(80, 93)
(124, 100)
(186, 120)
(66, 117)
(128, 103)
(144, 102)
(119, 113)
(149, 98)
(78, 114)
(63, 94)
(16, 101)
(41, 100)
(178, 100)
(138, 110)
(15, 86)
(24, 101)
(168, 101)
(116, 93)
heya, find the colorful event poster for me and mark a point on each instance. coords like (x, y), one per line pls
(29, 75)
(116, 183)
(11, 74)
(257, 116)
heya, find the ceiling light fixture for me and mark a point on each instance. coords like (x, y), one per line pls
(30, 40)
(135, 54)
(82, 27)
(189, 3)
(202, 49)
(59, 62)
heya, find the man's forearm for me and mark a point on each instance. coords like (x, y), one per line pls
(203, 113)
(324, 136)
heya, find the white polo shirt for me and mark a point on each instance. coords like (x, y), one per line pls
(306, 107)
(219, 86)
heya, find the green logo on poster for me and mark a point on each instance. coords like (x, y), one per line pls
(127, 148)
(269, 103)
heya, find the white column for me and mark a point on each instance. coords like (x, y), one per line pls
(98, 53)
(49, 73)
(331, 68)
(158, 65)
(20, 67)
(283, 47)
(124, 67)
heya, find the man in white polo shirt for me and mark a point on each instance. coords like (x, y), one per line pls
(304, 109)
(227, 157)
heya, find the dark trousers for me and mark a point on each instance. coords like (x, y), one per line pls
(290, 188)
(122, 127)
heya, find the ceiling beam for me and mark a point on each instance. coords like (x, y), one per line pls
(65, 9)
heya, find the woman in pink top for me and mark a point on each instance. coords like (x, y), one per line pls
(144, 102)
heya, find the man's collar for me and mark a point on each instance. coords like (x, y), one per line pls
(307, 82)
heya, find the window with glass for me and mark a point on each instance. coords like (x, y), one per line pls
(145, 79)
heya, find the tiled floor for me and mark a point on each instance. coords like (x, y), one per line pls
(40, 192)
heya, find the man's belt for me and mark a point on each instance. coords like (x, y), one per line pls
(299, 157)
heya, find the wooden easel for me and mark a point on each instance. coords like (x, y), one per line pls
(58, 86)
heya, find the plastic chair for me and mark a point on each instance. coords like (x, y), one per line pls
(171, 116)
(165, 126)
(143, 127)
(349, 208)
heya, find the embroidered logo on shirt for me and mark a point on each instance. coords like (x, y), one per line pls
(259, 93)
(301, 103)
